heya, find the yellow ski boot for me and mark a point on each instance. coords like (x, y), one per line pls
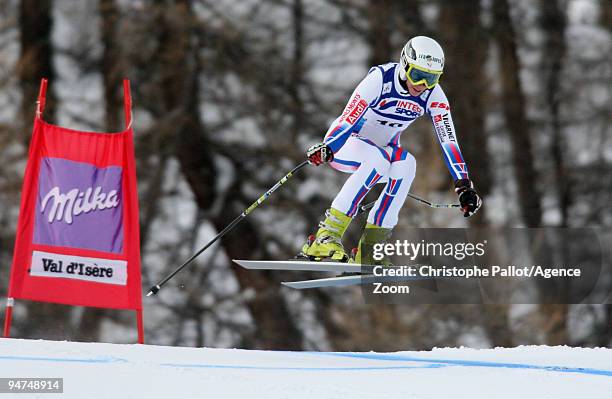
(372, 234)
(326, 245)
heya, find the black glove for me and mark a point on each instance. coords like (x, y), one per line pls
(468, 197)
(319, 154)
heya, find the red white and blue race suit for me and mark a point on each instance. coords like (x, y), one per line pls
(365, 141)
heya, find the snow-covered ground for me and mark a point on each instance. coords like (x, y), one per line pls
(93, 370)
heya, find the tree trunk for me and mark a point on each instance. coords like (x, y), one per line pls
(379, 13)
(605, 14)
(553, 22)
(513, 101)
(112, 66)
(296, 79)
(604, 332)
(35, 61)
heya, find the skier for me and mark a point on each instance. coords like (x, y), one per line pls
(365, 141)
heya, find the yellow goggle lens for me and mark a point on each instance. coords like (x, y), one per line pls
(418, 76)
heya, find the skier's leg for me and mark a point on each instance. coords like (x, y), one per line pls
(368, 164)
(374, 164)
(401, 174)
(384, 215)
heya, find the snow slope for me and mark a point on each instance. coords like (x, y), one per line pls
(92, 370)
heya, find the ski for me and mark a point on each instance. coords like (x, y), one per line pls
(299, 265)
(342, 281)
(360, 274)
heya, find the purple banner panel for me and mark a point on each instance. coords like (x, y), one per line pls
(79, 206)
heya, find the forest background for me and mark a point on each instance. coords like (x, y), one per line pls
(228, 95)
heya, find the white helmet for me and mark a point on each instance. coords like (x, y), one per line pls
(422, 61)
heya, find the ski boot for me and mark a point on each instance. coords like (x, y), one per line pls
(326, 245)
(372, 234)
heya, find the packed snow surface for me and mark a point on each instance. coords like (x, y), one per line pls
(94, 370)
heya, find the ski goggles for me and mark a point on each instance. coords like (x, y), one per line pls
(418, 76)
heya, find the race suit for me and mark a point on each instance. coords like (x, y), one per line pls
(365, 141)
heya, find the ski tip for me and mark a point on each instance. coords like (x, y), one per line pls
(292, 284)
(253, 264)
(240, 262)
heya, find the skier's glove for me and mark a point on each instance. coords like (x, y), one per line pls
(319, 154)
(468, 197)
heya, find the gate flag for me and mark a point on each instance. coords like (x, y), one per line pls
(78, 239)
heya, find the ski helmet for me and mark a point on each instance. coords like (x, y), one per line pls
(422, 61)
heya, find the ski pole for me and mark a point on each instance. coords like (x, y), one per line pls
(365, 207)
(230, 226)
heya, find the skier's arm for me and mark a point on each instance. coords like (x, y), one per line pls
(365, 95)
(439, 110)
